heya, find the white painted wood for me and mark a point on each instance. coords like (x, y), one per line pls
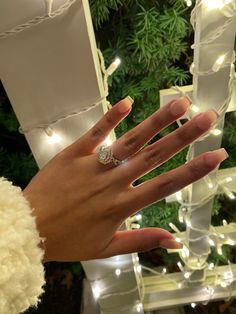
(221, 177)
(49, 71)
(209, 91)
(162, 292)
(167, 95)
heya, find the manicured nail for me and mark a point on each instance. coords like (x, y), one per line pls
(206, 119)
(213, 159)
(170, 244)
(180, 106)
(125, 104)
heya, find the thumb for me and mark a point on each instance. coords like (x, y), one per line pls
(142, 240)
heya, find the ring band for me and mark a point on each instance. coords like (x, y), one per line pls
(105, 156)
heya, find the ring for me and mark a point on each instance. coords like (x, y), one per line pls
(105, 156)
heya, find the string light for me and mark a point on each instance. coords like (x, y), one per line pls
(118, 272)
(189, 3)
(96, 292)
(193, 305)
(113, 67)
(195, 108)
(52, 137)
(216, 4)
(216, 132)
(139, 307)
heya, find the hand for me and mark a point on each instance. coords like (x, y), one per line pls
(80, 203)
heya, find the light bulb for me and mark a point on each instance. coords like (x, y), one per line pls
(230, 242)
(211, 242)
(229, 179)
(113, 67)
(118, 272)
(164, 271)
(139, 268)
(195, 108)
(193, 305)
(180, 285)
(96, 292)
(231, 196)
(218, 64)
(179, 196)
(139, 307)
(187, 275)
(211, 186)
(189, 3)
(138, 217)
(52, 137)
(219, 250)
(216, 132)
(216, 4)
(211, 266)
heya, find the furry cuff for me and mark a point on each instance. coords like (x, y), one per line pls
(21, 267)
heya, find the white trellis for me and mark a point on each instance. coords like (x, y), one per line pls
(61, 41)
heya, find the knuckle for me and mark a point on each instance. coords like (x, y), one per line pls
(97, 132)
(109, 118)
(166, 185)
(152, 156)
(156, 120)
(131, 141)
(195, 170)
(184, 136)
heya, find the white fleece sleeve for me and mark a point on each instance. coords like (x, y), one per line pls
(21, 267)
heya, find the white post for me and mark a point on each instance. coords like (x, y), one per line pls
(50, 70)
(213, 56)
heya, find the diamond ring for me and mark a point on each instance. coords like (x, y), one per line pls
(105, 156)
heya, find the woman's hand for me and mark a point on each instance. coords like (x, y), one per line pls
(80, 203)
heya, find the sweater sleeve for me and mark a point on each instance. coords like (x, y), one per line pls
(21, 267)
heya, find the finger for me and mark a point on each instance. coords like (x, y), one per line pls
(100, 131)
(142, 240)
(161, 151)
(172, 181)
(134, 140)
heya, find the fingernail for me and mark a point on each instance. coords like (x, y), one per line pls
(125, 104)
(180, 106)
(205, 120)
(170, 244)
(213, 159)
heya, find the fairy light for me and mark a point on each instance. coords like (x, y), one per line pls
(185, 251)
(135, 226)
(113, 67)
(139, 307)
(96, 292)
(229, 179)
(52, 137)
(187, 275)
(216, 132)
(230, 242)
(211, 266)
(193, 305)
(189, 3)
(219, 250)
(231, 195)
(139, 268)
(180, 285)
(164, 271)
(211, 242)
(195, 108)
(179, 196)
(222, 236)
(118, 272)
(216, 4)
